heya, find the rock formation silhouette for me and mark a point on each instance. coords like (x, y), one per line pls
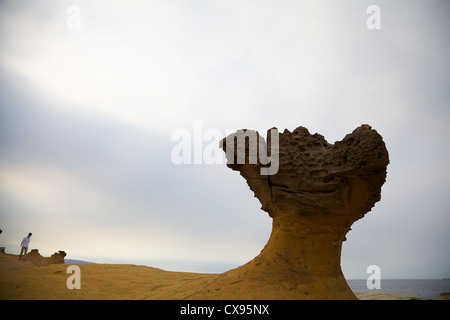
(318, 192)
(35, 257)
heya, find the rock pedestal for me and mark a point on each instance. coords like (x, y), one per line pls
(314, 197)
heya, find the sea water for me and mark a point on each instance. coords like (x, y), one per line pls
(424, 288)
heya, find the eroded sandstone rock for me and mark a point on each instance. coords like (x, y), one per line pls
(319, 190)
(35, 257)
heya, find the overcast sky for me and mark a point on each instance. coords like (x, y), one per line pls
(88, 107)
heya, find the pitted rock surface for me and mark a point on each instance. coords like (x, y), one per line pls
(319, 190)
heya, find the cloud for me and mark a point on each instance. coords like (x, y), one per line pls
(123, 65)
(64, 212)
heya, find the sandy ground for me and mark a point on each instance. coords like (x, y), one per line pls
(26, 280)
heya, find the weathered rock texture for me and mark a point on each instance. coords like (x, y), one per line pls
(35, 257)
(318, 192)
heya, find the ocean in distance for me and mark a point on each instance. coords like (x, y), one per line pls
(423, 288)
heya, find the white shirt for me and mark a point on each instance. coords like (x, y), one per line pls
(25, 242)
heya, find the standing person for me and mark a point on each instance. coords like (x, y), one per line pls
(24, 244)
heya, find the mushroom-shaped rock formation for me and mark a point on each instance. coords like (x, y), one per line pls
(314, 197)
